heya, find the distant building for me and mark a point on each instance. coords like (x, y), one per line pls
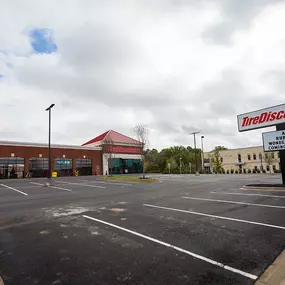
(244, 159)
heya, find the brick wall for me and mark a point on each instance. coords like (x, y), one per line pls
(28, 152)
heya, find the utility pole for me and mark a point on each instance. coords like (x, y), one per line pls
(195, 149)
(48, 183)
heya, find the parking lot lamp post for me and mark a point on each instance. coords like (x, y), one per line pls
(49, 138)
(180, 164)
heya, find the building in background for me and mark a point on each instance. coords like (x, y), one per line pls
(244, 160)
(21, 159)
(120, 154)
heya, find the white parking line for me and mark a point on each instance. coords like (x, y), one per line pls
(37, 183)
(214, 216)
(102, 182)
(52, 186)
(14, 189)
(211, 261)
(245, 194)
(81, 184)
(234, 202)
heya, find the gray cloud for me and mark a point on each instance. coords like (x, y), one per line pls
(235, 15)
(123, 63)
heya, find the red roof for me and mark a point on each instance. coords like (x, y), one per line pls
(113, 136)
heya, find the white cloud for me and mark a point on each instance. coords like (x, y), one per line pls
(174, 65)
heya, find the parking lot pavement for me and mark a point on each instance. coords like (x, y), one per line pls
(139, 233)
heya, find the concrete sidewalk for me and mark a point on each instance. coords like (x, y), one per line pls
(275, 273)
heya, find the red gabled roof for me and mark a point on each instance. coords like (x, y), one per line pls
(113, 136)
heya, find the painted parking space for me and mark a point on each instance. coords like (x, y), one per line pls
(180, 247)
(174, 247)
(80, 251)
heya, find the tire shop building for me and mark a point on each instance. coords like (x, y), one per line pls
(21, 159)
(120, 154)
(18, 160)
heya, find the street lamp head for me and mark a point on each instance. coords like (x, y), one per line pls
(51, 106)
(194, 133)
(202, 137)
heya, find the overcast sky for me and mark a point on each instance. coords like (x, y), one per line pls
(175, 65)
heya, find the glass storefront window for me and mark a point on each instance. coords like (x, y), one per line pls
(38, 167)
(63, 166)
(121, 166)
(12, 167)
(84, 166)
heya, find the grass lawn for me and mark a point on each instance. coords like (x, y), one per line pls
(129, 178)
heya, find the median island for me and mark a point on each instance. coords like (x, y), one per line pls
(130, 179)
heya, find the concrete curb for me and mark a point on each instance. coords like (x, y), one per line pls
(275, 273)
(276, 189)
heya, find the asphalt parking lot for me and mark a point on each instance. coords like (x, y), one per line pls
(180, 230)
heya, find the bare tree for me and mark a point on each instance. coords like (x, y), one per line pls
(108, 153)
(142, 136)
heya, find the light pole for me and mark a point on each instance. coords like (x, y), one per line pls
(180, 164)
(202, 146)
(196, 161)
(49, 137)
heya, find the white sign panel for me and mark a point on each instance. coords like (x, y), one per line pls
(261, 118)
(274, 141)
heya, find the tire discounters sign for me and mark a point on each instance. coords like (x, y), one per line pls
(261, 118)
(274, 141)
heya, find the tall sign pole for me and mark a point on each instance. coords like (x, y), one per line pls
(281, 127)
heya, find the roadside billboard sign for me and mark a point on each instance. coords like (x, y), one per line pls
(274, 141)
(261, 118)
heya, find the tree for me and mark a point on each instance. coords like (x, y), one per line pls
(172, 163)
(142, 136)
(219, 148)
(108, 153)
(216, 159)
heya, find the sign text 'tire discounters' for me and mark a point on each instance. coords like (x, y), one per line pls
(261, 118)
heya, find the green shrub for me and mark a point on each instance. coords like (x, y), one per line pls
(236, 171)
(249, 171)
(228, 172)
(232, 171)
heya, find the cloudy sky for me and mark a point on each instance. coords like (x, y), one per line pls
(175, 65)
